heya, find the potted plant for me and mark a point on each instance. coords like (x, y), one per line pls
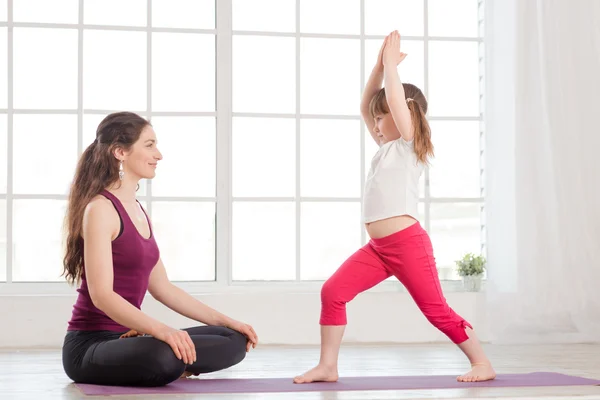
(471, 268)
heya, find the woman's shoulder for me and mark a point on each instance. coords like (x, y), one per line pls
(99, 207)
(100, 216)
(99, 202)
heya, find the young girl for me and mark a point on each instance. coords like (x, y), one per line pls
(399, 246)
(111, 250)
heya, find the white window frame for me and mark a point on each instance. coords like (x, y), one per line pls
(224, 115)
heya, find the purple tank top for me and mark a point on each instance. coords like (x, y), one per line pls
(133, 259)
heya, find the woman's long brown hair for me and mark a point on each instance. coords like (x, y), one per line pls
(97, 169)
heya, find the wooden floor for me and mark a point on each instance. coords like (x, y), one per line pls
(38, 374)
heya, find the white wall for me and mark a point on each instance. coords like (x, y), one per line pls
(278, 318)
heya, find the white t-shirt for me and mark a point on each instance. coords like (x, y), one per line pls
(392, 186)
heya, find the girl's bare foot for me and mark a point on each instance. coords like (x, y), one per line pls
(479, 372)
(320, 373)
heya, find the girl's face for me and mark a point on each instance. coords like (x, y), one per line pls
(385, 128)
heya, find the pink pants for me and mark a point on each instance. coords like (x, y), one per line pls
(408, 255)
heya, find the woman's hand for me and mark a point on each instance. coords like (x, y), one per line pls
(392, 56)
(180, 341)
(247, 331)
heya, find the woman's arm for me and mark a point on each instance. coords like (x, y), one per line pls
(183, 303)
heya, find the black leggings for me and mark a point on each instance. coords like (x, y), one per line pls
(102, 358)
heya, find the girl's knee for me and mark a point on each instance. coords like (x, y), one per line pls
(329, 292)
(333, 306)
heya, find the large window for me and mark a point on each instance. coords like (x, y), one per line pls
(255, 104)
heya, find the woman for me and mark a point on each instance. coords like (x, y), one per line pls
(111, 250)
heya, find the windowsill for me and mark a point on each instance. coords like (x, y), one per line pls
(63, 289)
(264, 304)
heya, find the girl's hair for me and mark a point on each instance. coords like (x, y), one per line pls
(417, 104)
(96, 170)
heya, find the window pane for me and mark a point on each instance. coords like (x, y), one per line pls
(3, 10)
(115, 12)
(411, 70)
(38, 240)
(45, 68)
(264, 157)
(330, 76)
(185, 233)
(264, 241)
(257, 15)
(183, 79)
(453, 86)
(189, 150)
(264, 74)
(3, 240)
(322, 251)
(371, 149)
(3, 68)
(457, 18)
(198, 14)
(3, 152)
(55, 11)
(37, 141)
(455, 168)
(90, 124)
(111, 85)
(329, 158)
(455, 230)
(384, 16)
(324, 16)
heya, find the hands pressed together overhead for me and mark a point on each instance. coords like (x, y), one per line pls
(390, 53)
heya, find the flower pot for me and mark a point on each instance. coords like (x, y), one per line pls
(472, 283)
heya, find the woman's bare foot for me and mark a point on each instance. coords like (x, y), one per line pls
(320, 373)
(478, 373)
(131, 333)
(186, 374)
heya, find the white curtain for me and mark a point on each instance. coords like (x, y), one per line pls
(542, 171)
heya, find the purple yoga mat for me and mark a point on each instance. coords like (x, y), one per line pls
(269, 385)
